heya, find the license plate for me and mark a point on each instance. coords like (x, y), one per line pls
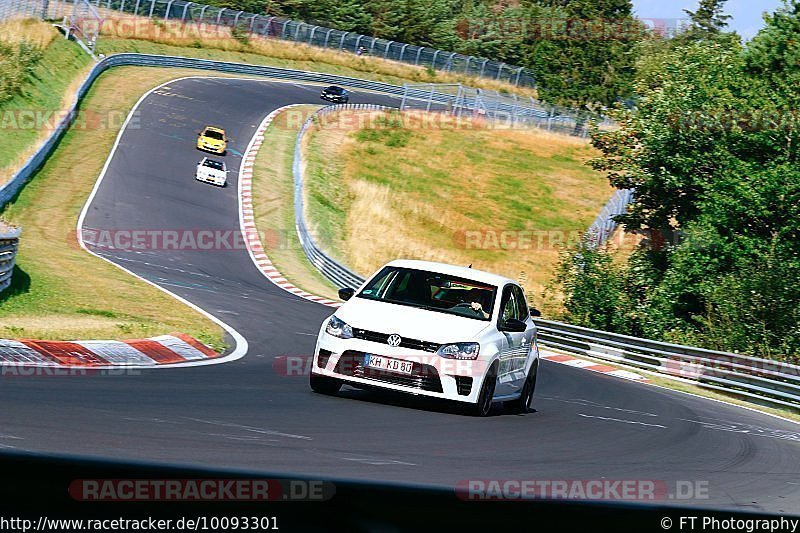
(387, 363)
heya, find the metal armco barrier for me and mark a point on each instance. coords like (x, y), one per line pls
(9, 240)
(764, 380)
(339, 274)
(10, 189)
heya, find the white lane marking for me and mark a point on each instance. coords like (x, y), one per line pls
(309, 334)
(375, 461)
(260, 431)
(622, 421)
(589, 403)
(736, 427)
(241, 342)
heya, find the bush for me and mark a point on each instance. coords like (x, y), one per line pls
(16, 66)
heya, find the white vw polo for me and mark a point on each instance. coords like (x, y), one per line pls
(434, 330)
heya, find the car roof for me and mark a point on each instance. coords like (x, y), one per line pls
(452, 270)
(214, 128)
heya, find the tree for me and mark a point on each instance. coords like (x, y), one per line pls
(709, 18)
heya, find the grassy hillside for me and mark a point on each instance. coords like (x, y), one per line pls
(61, 292)
(41, 94)
(384, 186)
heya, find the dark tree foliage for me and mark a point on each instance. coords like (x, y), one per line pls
(582, 52)
(712, 150)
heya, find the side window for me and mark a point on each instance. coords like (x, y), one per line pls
(522, 305)
(508, 305)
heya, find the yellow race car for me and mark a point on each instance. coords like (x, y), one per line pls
(212, 140)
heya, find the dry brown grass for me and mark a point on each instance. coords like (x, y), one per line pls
(34, 31)
(423, 199)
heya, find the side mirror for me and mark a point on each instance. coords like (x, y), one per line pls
(535, 312)
(513, 325)
(346, 293)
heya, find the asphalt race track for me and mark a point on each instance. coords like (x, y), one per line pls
(244, 414)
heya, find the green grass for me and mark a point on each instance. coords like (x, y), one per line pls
(61, 292)
(273, 204)
(41, 99)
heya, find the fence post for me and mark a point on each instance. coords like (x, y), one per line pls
(341, 42)
(416, 61)
(152, 7)
(219, 15)
(466, 65)
(372, 45)
(283, 29)
(483, 66)
(236, 19)
(402, 51)
(519, 73)
(311, 35)
(185, 7)
(499, 70)
(169, 6)
(433, 62)
(386, 52)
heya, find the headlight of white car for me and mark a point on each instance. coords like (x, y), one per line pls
(339, 328)
(459, 350)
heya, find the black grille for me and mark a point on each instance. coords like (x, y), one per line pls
(464, 385)
(322, 360)
(423, 377)
(382, 338)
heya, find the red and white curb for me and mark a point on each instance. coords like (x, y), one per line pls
(247, 218)
(594, 367)
(141, 353)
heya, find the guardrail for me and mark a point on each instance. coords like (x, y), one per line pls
(750, 377)
(10, 188)
(339, 274)
(9, 240)
(764, 380)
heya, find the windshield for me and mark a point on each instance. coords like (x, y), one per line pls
(335, 90)
(211, 134)
(216, 165)
(432, 291)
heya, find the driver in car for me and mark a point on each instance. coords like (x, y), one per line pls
(475, 297)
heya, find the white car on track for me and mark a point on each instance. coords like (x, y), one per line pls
(212, 171)
(433, 330)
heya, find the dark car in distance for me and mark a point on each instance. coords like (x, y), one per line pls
(335, 94)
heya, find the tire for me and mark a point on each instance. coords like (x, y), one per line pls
(324, 384)
(523, 403)
(483, 407)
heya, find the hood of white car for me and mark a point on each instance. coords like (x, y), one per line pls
(410, 322)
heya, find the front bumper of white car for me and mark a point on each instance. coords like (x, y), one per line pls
(208, 178)
(431, 375)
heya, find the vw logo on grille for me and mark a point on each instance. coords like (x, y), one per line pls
(394, 340)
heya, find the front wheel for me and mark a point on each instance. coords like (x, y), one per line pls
(324, 384)
(524, 403)
(484, 404)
